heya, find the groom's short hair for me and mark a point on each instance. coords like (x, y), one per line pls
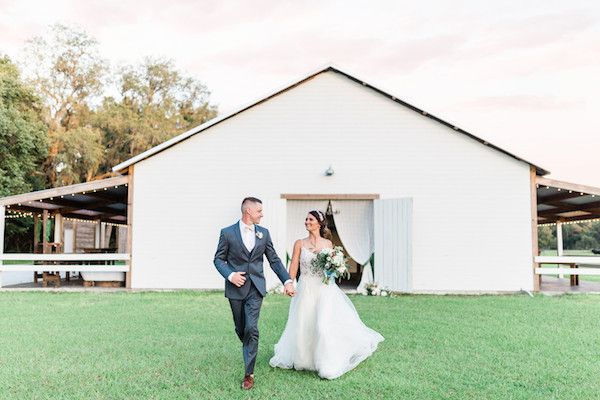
(246, 202)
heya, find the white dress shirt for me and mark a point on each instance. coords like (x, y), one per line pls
(248, 235)
(249, 238)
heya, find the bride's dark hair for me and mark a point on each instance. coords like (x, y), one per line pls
(324, 229)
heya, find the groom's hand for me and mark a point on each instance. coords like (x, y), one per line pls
(289, 290)
(238, 279)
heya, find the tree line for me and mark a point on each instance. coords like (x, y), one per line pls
(584, 235)
(67, 116)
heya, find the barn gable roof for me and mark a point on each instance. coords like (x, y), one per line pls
(185, 135)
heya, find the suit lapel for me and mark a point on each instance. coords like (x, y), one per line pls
(238, 234)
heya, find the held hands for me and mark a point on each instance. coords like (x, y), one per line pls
(289, 290)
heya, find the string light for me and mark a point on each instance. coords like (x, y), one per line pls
(89, 221)
(571, 222)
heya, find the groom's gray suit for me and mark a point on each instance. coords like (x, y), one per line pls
(245, 301)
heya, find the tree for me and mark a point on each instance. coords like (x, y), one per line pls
(65, 68)
(80, 153)
(156, 103)
(23, 144)
(547, 237)
(23, 147)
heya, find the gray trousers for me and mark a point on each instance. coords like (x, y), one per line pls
(245, 316)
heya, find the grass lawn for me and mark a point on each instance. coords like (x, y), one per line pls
(181, 345)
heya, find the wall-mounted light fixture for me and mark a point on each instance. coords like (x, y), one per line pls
(329, 171)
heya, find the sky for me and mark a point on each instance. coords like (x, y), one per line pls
(523, 75)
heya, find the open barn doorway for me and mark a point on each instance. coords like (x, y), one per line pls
(350, 219)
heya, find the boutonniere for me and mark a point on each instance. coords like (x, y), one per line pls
(259, 234)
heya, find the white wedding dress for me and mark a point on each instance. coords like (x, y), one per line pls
(323, 332)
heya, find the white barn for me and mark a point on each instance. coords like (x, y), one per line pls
(442, 210)
(439, 189)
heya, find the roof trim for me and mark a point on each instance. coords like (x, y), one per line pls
(64, 190)
(575, 187)
(183, 136)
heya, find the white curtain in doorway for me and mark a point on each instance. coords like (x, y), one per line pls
(354, 225)
(296, 213)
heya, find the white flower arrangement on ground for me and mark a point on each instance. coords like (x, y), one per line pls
(373, 289)
(331, 263)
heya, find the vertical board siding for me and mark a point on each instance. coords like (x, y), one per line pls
(393, 244)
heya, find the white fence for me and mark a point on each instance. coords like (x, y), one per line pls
(97, 262)
(572, 261)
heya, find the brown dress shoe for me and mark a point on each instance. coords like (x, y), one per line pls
(248, 382)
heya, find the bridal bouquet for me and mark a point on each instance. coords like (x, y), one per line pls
(331, 263)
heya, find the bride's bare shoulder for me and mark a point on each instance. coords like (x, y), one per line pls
(298, 243)
(328, 243)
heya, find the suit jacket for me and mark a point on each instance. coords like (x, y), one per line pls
(233, 256)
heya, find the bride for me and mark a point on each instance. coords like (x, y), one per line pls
(323, 332)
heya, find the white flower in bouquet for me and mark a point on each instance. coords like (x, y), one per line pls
(331, 263)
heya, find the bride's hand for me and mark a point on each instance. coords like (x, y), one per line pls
(289, 290)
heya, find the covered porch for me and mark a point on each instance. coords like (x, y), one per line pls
(81, 236)
(559, 204)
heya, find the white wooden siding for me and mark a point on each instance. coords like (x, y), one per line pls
(471, 203)
(393, 244)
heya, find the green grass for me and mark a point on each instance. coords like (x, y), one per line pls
(181, 345)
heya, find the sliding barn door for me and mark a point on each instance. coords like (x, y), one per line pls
(393, 243)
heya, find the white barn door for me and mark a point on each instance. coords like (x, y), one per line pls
(393, 243)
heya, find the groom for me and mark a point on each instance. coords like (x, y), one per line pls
(239, 258)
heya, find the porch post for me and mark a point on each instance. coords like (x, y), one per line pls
(2, 220)
(45, 232)
(102, 234)
(534, 227)
(129, 225)
(59, 231)
(97, 234)
(36, 232)
(559, 242)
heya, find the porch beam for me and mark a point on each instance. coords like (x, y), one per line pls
(64, 190)
(557, 197)
(567, 186)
